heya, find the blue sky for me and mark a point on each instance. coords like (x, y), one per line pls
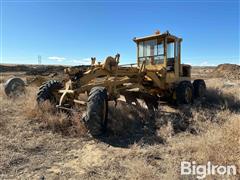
(70, 32)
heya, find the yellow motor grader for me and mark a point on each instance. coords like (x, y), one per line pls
(157, 74)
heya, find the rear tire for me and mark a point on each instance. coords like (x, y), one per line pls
(14, 87)
(97, 111)
(184, 92)
(199, 87)
(47, 90)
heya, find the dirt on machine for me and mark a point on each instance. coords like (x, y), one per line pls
(157, 75)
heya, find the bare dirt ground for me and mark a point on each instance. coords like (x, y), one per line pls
(46, 145)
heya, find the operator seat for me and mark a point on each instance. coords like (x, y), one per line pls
(170, 64)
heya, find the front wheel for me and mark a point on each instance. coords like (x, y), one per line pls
(48, 91)
(97, 111)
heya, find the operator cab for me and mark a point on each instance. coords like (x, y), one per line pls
(159, 50)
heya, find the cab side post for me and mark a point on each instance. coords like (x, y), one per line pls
(176, 58)
(165, 52)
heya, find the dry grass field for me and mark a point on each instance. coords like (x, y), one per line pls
(42, 144)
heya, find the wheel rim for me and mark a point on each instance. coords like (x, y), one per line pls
(188, 95)
(17, 89)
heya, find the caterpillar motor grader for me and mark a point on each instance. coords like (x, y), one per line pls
(158, 73)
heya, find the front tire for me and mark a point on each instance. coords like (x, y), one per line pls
(47, 91)
(97, 111)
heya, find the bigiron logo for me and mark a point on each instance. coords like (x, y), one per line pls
(201, 171)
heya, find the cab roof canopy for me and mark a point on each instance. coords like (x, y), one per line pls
(158, 36)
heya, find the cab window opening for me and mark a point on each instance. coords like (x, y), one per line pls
(151, 51)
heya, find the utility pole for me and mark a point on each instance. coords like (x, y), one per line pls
(39, 59)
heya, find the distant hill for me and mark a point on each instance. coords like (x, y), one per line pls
(228, 71)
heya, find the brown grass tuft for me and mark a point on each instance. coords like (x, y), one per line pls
(46, 113)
